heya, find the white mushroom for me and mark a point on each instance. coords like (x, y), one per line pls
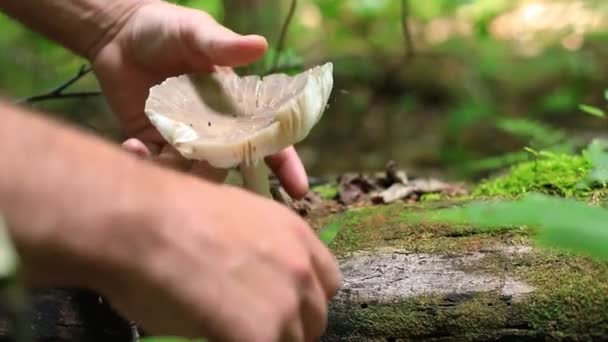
(231, 121)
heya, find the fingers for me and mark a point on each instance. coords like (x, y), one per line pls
(136, 147)
(329, 274)
(323, 261)
(218, 44)
(314, 312)
(288, 167)
(169, 157)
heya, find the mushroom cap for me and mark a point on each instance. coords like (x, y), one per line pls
(227, 120)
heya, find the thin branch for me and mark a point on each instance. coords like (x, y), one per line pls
(58, 92)
(60, 96)
(407, 33)
(282, 36)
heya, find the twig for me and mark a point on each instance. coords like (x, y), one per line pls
(58, 92)
(282, 36)
(46, 97)
(407, 33)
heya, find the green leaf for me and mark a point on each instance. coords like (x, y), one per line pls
(531, 151)
(329, 233)
(606, 94)
(538, 133)
(597, 155)
(562, 223)
(592, 110)
(329, 8)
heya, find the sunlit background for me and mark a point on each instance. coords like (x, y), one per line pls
(484, 78)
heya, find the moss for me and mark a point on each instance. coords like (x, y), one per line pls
(430, 197)
(478, 316)
(558, 174)
(571, 296)
(391, 226)
(570, 305)
(570, 300)
(326, 191)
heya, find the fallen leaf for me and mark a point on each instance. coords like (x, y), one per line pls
(394, 174)
(394, 193)
(354, 187)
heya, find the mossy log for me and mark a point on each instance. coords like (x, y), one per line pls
(404, 281)
(70, 315)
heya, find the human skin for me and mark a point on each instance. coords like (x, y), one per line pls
(136, 44)
(164, 246)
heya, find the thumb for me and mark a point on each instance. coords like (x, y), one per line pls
(221, 46)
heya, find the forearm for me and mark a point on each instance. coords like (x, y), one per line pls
(82, 26)
(66, 196)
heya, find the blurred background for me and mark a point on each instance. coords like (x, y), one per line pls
(451, 87)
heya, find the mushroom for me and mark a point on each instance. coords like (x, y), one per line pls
(231, 121)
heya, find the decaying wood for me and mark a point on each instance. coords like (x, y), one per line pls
(405, 282)
(398, 295)
(71, 315)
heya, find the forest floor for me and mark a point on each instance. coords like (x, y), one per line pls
(409, 279)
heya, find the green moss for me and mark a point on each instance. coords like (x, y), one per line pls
(430, 316)
(393, 226)
(326, 191)
(558, 174)
(570, 299)
(431, 197)
(569, 303)
(571, 296)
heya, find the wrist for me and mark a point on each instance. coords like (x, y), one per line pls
(71, 201)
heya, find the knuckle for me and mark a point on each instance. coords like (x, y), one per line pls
(335, 283)
(302, 271)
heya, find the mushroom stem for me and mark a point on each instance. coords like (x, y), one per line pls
(255, 178)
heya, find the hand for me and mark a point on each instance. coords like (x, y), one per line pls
(161, 40)
(205, 268)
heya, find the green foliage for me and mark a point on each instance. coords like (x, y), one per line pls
(559, 100)
(591, 110)
(213, 7)
(472, 76)
(289, 61)
(567, 224)
(597, 155)
(536, 133)
(328, 233)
